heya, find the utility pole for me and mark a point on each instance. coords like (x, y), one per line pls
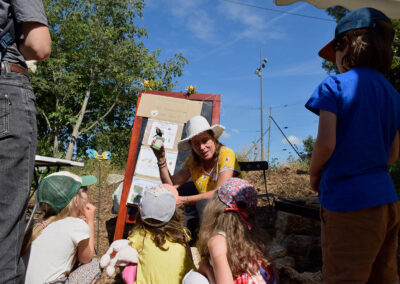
(269, 132)
(259, 73)
(262, 117)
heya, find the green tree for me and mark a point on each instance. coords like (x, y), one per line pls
(87, 90)
(308, 146)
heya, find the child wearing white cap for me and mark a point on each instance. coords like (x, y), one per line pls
(160, 238)
(65, 236)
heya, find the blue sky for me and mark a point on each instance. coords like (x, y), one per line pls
(222, 41)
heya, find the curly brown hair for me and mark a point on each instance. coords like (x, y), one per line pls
(174, 229)
(246, 248)
(218, 145)
(367, 47)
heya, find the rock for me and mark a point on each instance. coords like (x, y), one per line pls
(286, 260)
(290, 223)
(276, 251)
(289, 275)
(114, 178)
(315, 276)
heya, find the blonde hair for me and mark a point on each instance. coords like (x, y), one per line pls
(246, 248)
(173, 230)
(34, 232)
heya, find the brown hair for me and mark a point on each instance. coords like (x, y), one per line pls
(246, 249)
(218, 145)
(367, 47)
(34, 232)
(174, 229)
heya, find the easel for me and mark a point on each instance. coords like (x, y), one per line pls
(210, 112)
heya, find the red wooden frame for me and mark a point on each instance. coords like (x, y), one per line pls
(123, 217)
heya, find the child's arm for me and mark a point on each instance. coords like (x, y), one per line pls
(218, 254)
(206, 269)
(86, 247)
(394, 150)
(323, 147)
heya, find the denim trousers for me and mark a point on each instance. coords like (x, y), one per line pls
(18, 132)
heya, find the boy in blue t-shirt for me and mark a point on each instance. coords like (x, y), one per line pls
(358, 138)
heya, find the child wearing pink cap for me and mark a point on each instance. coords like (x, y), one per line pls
(230, 243)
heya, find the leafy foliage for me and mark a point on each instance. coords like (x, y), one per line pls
(308, 146)
(87, 90)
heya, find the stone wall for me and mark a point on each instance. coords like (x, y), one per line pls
(296, 248)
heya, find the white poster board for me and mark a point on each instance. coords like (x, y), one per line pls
(146, 163)
(138, 187)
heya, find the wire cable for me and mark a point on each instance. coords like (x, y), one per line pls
(278, 11)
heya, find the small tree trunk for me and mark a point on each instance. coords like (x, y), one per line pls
(55, 147)
(75, 130)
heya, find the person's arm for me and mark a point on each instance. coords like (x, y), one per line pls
(218, 253)
(35, 41)
(86, 247)
(324, 146)
(206, 269)
(177, 179)
(222, 177)
(394, 150)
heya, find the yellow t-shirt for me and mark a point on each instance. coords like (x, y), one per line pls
(156, 265)
(206, 181)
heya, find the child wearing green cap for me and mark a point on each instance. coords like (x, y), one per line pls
(65, 236)
(358, 138)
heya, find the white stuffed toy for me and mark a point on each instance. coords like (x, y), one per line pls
(124, 254)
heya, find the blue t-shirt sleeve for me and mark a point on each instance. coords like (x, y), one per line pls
(324, 97)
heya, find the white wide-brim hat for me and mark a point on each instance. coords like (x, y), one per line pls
(195, 126)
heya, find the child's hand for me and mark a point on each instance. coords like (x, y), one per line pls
(89, 212)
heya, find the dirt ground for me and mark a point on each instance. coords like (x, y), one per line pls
(284, 182)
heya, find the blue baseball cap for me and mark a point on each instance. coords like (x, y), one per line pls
(358, 19)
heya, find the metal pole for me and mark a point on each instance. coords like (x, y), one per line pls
(269, 132)
(98, 210)
(290, 143)
(262, 118)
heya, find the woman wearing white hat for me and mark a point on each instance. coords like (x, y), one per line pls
(209, 165)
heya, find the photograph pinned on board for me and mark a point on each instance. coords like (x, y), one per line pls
(138, 187)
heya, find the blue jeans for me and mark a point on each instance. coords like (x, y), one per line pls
(17, 156)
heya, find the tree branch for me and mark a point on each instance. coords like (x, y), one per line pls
(102, 117)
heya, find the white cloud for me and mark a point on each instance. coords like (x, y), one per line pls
(293, 139)
(311, 67)
(254, 26)
(236, 131)
(193, 17)
(226, 135)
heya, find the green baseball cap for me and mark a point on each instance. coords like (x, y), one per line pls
(58, 189)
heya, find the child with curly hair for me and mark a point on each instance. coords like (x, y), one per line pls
(230, 243)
